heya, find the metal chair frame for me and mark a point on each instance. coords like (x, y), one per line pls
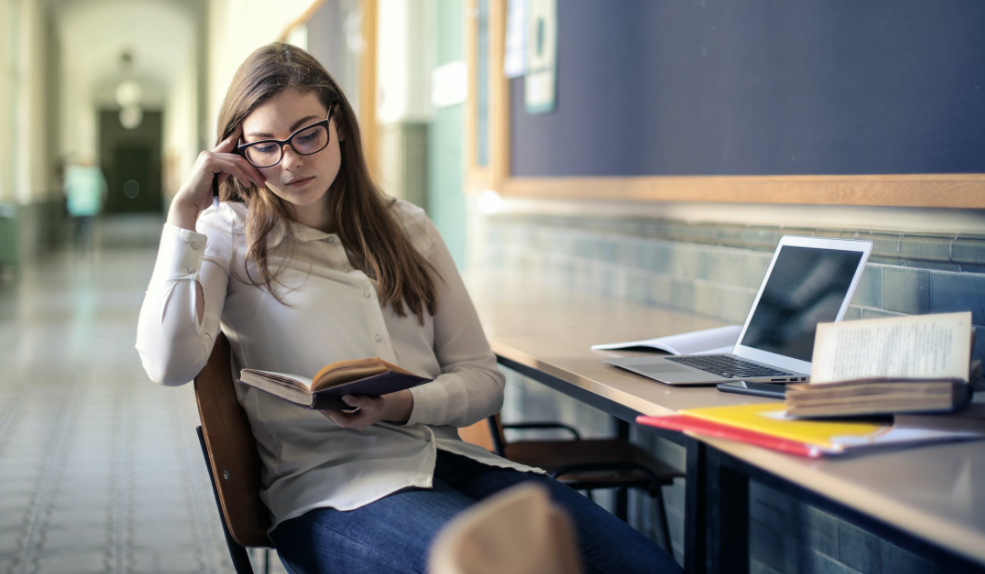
(652, 485)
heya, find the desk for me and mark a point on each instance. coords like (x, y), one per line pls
(929, 500)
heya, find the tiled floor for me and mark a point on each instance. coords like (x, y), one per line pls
(100, 469)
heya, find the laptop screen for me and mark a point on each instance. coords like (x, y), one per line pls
(807, 286)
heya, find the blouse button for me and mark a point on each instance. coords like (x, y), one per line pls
(331, 240)
(195, 245)
(367, 295)
(190, 270)
(379, 338)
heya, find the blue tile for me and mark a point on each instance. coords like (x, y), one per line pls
(853, 313)
(659, 291)
(971, 268)
(707, 299)
(728, 234)
(951, 292)
(767, 547)
(884, 245)
(968, 249)
(895, 560)
(877, 314)
(606, 250)
(682, 295)
(906, 290)
(868, 293)
(736, 304)
(684, 261)
(797, 231)
(858, 549)
(926, 247)
(932, 265)
(812, 562)
(756, 567)
(836, 233)
(979, 351)
(659, 257)
(637, 286)
(627, 252)
(819, 531)
(738, 267)
(761, 238)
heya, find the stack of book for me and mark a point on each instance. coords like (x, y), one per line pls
(899, 366)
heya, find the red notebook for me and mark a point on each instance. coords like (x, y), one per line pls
(708, 428)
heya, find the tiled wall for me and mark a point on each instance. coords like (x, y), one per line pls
(715, 270)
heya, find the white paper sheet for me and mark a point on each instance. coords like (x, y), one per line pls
(707, 342)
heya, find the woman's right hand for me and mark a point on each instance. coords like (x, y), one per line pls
(195, 196)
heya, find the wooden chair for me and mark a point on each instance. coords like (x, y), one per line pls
(582, 464)
(517, 531)
(232, 459)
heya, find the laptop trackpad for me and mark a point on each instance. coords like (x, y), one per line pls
(650, 365)
(663, 367)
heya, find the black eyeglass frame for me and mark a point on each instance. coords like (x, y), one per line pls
(241, 149)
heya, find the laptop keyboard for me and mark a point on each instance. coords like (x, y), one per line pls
(728, 366)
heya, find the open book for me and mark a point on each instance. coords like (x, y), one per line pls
(324, 391)
(715, 341)
(918, 363)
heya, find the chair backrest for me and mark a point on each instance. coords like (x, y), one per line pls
(478, 434)
(231, 449)
(518, 531)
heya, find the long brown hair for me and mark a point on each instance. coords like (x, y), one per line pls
(360, 210)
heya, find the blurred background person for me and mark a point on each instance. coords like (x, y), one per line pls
(85, 191)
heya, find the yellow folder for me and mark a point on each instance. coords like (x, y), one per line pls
(771, 419)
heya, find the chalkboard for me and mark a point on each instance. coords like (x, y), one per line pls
(760, 87)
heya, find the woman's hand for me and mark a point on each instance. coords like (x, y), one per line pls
(196, 194)
(393, 408)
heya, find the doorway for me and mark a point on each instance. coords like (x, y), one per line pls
(131, 160)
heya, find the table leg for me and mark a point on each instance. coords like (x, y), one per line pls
(620, 429)
(726, 494)
(694, 512)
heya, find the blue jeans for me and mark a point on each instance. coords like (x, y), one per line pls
(394, 534)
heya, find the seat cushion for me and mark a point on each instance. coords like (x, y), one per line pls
(551, 455)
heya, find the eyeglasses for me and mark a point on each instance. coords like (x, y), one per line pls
(308, 140)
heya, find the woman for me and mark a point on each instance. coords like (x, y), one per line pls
(307, 263)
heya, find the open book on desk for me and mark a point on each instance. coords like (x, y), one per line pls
(371, 377)
(715, 341)
(917, 363)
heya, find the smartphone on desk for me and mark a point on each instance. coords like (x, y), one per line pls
(771, 390)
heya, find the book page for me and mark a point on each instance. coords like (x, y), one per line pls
(919, 346)
(721, 339)
(282, 378)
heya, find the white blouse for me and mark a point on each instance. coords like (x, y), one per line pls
(331, 313)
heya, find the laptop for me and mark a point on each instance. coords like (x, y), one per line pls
(809, 281)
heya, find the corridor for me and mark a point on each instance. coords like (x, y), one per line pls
(101, 469)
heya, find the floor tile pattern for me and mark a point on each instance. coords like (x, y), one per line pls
(100, 469)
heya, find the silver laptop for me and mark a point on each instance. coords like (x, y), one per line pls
(809, 281)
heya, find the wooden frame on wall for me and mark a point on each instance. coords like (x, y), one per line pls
(957, 191)
(367, 75)
(494, 175)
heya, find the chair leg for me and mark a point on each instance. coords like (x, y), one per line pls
(266, 561)
(664, 526)
(622, 504)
